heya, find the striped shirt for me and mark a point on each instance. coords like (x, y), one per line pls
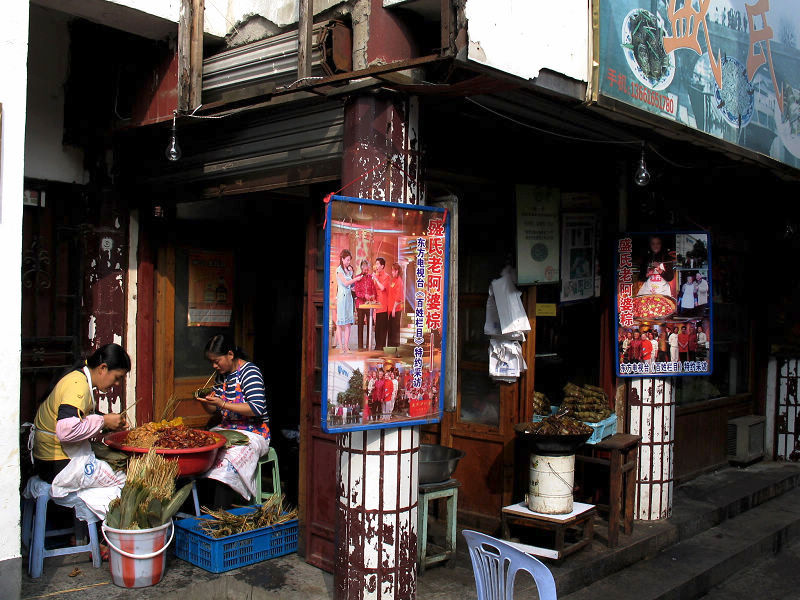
(252, 384)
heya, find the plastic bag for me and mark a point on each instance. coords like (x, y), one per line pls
(236, 466)
(84, 471)
(509, 304)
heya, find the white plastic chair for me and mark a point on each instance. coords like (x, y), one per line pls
(495, 564)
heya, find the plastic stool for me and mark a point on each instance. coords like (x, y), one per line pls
(34, 533)
(445, 490)
(260, 495)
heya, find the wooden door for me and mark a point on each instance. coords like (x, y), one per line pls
(179, 364)
(317, 491)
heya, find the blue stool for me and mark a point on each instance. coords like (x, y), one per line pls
(34, 533)
(271, 459)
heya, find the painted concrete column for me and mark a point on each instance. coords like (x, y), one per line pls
(376, 514)
(652, 416)
(376, 473)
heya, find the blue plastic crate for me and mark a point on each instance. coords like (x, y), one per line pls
(602, 429)
(234, 551)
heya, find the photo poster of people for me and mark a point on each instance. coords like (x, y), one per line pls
(663, 304)
(385, 314)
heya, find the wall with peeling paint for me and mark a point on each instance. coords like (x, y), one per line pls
(522, 37)
(105, 294)
(13, 57)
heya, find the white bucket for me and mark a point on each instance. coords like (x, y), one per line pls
(138, 557)
(552, 479)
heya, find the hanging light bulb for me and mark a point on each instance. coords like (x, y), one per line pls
(173, 151)
(642, 175)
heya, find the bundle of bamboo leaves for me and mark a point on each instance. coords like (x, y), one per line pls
(224, 523)
(149, 498)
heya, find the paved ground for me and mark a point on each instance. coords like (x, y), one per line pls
(773, 578)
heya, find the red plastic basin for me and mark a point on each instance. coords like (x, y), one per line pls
(191, 461)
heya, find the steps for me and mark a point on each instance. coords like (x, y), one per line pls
(722, 523)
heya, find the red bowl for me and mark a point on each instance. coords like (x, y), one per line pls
(191, 461)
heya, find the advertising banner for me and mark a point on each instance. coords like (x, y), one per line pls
(210, 289)
(537, 234)
(729, 68)
(663, 304)
(385, 314)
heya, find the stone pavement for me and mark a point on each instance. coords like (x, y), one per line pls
(707, 502)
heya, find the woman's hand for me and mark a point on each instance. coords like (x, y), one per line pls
(114, 421)
(213, 400)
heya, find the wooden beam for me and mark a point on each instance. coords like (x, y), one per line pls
(184, 55)
(304, 47)
(196, 54)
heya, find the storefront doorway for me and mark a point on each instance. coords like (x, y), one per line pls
(245, 258)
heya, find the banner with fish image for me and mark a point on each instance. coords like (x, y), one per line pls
(729, 68)
(663, 304)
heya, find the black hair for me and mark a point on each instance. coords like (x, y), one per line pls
(113, 355)
(222, 344)
(381, 260)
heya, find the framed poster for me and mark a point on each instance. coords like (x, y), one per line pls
(210, 288)
(385, 314)
(537, 234)
(578, 256)
(663, 304)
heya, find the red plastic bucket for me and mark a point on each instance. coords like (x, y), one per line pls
(138, 557)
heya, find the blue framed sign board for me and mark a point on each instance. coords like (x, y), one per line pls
(663, 304)
(385, 314)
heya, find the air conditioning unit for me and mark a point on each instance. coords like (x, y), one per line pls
(746, 439)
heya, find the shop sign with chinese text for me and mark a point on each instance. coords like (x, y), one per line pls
(663, 304)
(385, 314)
(729, 68)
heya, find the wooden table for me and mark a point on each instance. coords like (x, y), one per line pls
(620, 454)
(581, 518)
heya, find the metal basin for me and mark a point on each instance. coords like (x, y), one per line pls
(437, 463)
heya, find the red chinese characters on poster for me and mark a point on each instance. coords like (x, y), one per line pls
(663, 304)
(210, 289)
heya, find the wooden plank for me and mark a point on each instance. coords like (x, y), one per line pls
(196, 55)
(184, 55)
(304, 31)
(164, 351)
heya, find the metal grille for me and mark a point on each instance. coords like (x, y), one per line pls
(787, 418)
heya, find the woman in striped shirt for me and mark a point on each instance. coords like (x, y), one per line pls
(239, 392)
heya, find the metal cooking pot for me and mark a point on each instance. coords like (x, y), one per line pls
(437, 463)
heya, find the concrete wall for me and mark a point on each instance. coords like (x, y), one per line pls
(13, 57)
(522, 37)
(48, 61)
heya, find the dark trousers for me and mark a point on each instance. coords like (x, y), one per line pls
(394, 330)
(381, 330)
(362, 318)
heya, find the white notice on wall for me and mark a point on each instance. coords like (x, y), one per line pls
(537, 234)
(577, 257)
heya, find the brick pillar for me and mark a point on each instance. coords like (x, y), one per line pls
(652, 416)
(376, 473)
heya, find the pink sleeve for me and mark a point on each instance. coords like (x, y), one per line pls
(74, 429)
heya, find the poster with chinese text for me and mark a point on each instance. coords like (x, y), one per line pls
(729, 68)
(210, 289)
(385, 314)
(537, 234)
(578, 256)
(663, 304)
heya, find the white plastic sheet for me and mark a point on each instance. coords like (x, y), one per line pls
(506, 324)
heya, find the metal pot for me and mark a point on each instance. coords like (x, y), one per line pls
(437, 463)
